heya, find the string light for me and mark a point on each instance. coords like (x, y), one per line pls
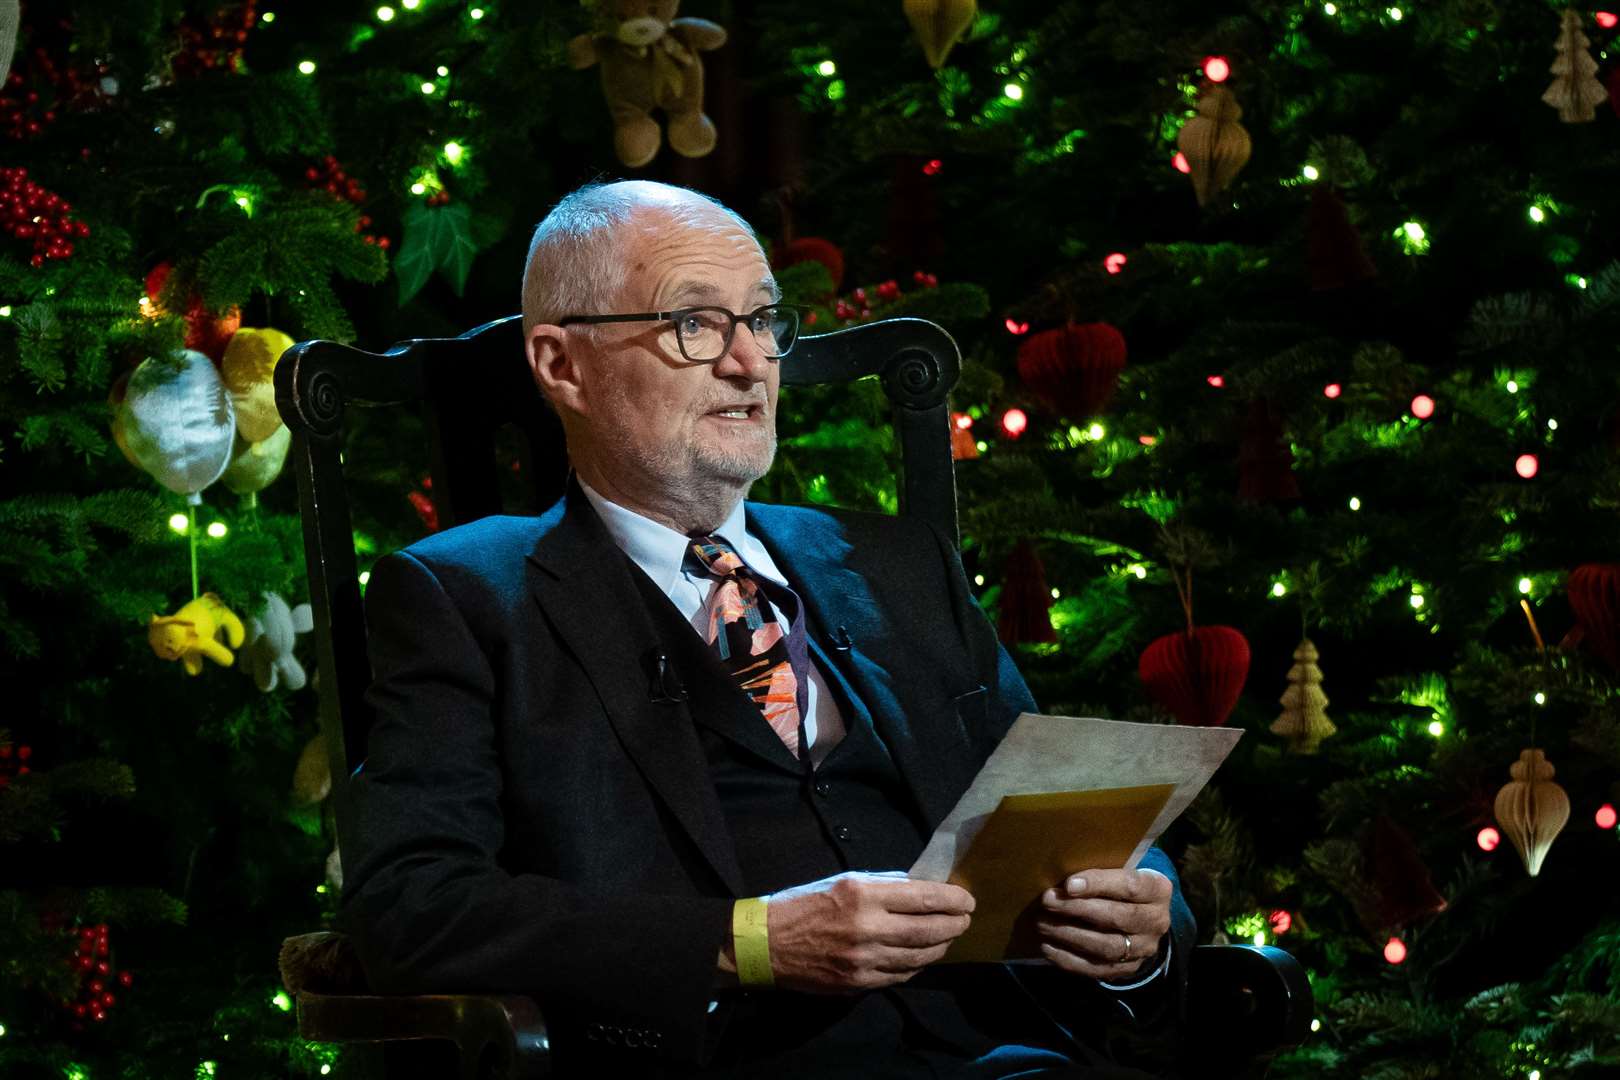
(1015, 327)
(1281, 921)
(1436, 728)
(1096, 431)
(1606, 816)
(453, 152)
(476, 13)
(978, 579)
(1423, 406)
(1488, 838)
(827, 68)
(1540, 699)
(1316, 1025)
(179, 523)
(306, 67)
(1355, 503)
(1279, 589)
(1014, 422)
(1332, 390)
(410, 5)
(1013, 92)
(932, 166)
(1512, 387)
(1414, 239)
(443, 72)
(1607, 19)
(428, 88)
(1181, 163)
(1527, 466)
(1537, 214)
(962, 420)
(1056, 595)
(385, 14)
(1330, 9)
(1525, 585)
(1115, 262)
(217, 530)
(1396, 14)
(1395, 950)
(365, 577)
(282, 1001)
(1217, 381)
(1216, 69)
(1310, 172)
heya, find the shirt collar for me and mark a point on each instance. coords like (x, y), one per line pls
(661, 551)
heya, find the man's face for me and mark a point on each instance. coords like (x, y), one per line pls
(657, 419)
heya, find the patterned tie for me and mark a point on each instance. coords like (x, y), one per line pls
(751, 643)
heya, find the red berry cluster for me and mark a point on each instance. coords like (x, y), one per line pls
(438, 198)
(329, 176)
(13, 762)
(29, 212)
(29, 102)
(862, 301)
(423, 502)
(96, 976)
(217, 44)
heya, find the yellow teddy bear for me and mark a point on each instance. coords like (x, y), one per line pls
(194, 632)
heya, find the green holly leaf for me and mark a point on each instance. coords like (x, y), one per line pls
(435, 238)
(415, 261)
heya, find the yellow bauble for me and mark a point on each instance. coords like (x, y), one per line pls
(249, 370)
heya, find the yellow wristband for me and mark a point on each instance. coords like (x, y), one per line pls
(750, 941)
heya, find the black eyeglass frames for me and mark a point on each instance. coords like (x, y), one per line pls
(704, 334)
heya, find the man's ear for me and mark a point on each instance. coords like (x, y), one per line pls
(552, 360)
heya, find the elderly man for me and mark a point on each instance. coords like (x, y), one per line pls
(660, 757)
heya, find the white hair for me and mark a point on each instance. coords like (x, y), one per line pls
(576, 265)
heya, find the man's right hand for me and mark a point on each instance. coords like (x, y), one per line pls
(861, 931)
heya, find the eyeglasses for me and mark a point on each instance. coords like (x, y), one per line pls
(703, 334)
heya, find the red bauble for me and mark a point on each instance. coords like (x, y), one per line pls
(1333, 248)
(1594, 594)
(1197, 676)
(1074, 368)
(1265, 461)
(813, 249)
(1405, 892)
(1025, 599)
(206, 332)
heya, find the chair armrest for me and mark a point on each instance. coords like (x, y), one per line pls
(495, 1036)
(1250, 1001)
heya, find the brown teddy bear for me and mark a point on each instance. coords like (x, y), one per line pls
(649, 61)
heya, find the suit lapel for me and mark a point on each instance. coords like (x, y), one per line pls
(840, 603)
(583, 583)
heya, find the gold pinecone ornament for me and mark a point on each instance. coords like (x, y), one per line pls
(1304, 721)
(1532, 809)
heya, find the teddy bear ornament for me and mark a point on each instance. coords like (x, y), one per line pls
(649, 60)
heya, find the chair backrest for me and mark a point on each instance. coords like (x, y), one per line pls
(469, 388)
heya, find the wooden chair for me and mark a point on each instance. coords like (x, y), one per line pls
(1246, 1003)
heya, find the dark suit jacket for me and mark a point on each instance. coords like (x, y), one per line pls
(532, 818)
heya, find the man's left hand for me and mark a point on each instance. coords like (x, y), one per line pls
(1105, 923)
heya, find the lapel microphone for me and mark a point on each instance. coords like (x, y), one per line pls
(842, 642)
(664, 686)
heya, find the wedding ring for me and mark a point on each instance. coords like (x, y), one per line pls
(1126, 955)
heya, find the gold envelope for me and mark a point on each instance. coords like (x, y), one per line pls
(1033, 842)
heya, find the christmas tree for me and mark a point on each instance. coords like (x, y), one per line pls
(1275, 316)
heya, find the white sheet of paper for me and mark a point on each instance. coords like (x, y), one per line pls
(1071, 753)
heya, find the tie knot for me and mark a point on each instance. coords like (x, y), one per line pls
(715, 556)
